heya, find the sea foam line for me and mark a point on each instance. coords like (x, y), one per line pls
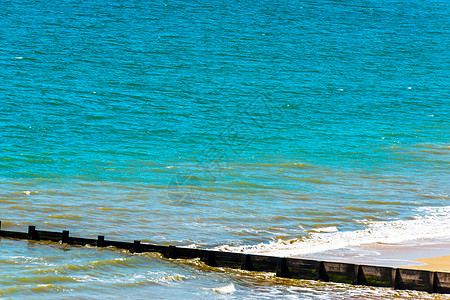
(434, 224)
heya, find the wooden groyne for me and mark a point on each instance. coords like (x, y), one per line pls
(285, 267)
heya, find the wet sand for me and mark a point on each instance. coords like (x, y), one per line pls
(425, 255)
(441, 264)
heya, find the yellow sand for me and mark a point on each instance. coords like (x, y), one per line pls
(441, 264)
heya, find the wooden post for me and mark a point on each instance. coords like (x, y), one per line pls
(65, 237)
(432, 282)
(396, 278)
(0, 225)
(357, 275)
(322, 272)
(136, 247)
(172, 252)
(100, 241)
(211, 259)
(32, 235)
(282, 269)
(247, 263)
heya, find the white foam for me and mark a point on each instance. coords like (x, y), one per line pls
(326, 229)
(30, 192)
(227, 289)
(434, 224)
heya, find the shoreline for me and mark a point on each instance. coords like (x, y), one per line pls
(437, 264)
(421, 255)
(289, 268)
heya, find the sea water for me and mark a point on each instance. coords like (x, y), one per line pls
(276, 127)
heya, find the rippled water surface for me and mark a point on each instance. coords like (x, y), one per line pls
(284, 128)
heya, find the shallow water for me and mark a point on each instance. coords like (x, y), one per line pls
(285, 128)
(36, 270)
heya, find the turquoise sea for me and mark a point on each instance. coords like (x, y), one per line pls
(277, 127)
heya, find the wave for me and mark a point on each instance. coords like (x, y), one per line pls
(429, 223)
(227, 289)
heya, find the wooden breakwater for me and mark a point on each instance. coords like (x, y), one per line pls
(285, 267)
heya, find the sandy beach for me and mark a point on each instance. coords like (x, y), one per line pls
(424, 255)
(441, 264)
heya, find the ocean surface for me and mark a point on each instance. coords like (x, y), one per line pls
(286, 128)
